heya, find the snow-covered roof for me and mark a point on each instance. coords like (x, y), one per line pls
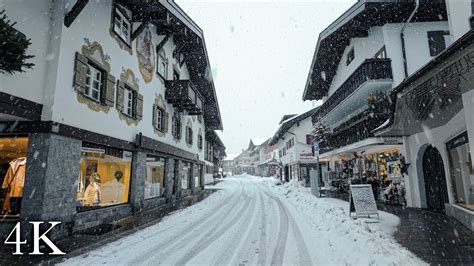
(286, 125)
(384, 125)
(286, 117)
(258, 141)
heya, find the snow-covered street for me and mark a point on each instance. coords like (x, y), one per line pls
(252, 221)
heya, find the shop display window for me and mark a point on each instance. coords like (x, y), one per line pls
(185, 175)
(155, 177)
(104, 178)
(13, 152)
(197, 176)
(462, 178)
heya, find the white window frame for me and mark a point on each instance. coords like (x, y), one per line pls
(162, 61)
(128, 101)
(91, 77)
(159, 118)
(122, 25)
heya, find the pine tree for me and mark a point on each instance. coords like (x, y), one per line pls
(13, 46)
(323, 134)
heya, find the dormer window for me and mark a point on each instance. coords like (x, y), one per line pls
(122, 24)
(350, 56)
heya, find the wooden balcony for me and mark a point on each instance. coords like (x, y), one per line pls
(184, 96)
(356, 129)
(369, 71)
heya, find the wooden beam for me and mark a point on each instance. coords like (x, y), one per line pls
(75, 11)
(163, 42)
(179, 49)
(139, 30)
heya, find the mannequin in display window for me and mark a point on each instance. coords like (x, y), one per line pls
(112, 191)
(92, 194)
(13, 184)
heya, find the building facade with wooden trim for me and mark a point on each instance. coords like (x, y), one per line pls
(112, 119)
(359, 59)
(433, 111)
(293, 142)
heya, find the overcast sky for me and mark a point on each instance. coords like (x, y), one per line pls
(260, 54)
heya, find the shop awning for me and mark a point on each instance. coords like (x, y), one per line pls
(371, 145)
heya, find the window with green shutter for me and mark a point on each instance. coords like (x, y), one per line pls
(129, 100)
(92, 81)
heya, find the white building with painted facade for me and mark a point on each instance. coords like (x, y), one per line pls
(115, 118)
(293, 141)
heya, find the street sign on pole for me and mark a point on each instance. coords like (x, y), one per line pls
(315, 148)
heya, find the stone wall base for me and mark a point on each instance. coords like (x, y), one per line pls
(463, 215)
(88, 219)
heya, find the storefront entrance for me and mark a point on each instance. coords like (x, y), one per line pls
(287, 174)
(435, 179)
(13, 152)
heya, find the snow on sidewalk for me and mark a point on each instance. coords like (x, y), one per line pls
(352, 239)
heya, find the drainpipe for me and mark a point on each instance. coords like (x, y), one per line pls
(402, 36)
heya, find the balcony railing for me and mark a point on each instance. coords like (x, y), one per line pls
(184, 95)
(371, 69)
(356, 129)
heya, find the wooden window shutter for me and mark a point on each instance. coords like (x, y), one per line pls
(165, 121)
(109, 94)
(80, 73)
(138, 105)
(155, 113)
(120, 95)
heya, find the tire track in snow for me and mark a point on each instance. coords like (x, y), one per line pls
(279, 252)
(209, 239)
(262, 255)
(188, 227)
(188, 232)
(303, 251)
(239, 237)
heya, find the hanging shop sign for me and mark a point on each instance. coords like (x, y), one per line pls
(362, 201)
(307, 156)
(315, 148)
(458, 141)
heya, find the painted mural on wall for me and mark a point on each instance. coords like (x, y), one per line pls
(146, 55)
